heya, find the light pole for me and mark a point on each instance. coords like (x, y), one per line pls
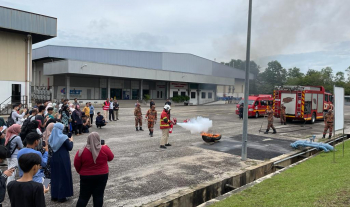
(246, 89)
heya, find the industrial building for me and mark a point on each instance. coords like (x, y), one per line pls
(18, 31)
(93, 74)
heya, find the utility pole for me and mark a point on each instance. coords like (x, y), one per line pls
(246, 89)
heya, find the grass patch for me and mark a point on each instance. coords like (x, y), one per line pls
(315, 182)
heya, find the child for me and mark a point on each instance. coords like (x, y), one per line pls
(24, 191)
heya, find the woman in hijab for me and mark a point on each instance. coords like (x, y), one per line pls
(61, 173)
(91, 162)
(77, 120)
(15, 145)
(45, 140)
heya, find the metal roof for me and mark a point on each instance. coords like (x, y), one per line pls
(177, 62)
(39, 26)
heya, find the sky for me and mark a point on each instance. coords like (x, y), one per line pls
(309, 34)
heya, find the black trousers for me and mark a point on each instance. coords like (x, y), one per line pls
(93, 185)
(92, 118)
(111, 115)
(78, 127)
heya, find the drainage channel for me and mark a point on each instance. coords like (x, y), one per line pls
(202, 193)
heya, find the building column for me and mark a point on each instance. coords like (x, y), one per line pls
(109, 88)
(68, 87)
(141, 90)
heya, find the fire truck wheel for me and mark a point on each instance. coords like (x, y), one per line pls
(313, 118)
(256, 114)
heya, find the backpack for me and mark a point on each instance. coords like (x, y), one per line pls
(26, 122)
(8, 148)
(10, 121)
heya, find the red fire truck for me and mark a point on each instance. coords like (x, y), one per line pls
(256, 105)
(308, 103)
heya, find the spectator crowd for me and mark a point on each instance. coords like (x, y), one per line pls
(35, 146)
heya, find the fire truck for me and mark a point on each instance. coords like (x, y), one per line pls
(256, 105)
(307, 103)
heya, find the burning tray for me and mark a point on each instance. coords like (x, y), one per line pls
(211, 137)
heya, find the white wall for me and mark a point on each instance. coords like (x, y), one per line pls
(194, 101)
(6, 90)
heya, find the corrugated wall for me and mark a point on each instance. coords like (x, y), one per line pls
(27, 22)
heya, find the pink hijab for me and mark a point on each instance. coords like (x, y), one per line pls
(47, 132)
(93, 145)
(11, 131)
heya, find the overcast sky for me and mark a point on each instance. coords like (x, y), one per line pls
(301, 33)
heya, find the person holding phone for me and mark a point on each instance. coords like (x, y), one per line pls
(3, 175)
(33, 140)
(25, 191)
(61, 173)
(91, 162)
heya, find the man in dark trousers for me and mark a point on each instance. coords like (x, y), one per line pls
(269, 113)
(240, 110)
(116, 110)
(151, 104)
(111, 107)
(168, 102)
(328, 123)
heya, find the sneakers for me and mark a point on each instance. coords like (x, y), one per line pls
(168, 145)
(162, 146)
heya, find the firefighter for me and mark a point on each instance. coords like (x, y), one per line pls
(283, 115)
(165, 126)
(151, 115)
(328, 123)
(138, 117)
(269, 113)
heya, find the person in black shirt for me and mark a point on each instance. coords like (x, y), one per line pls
(40, 117)
(168, 102)
(24, 191)
(151, 103)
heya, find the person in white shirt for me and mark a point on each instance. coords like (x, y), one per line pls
(18, 118)
(111, 106)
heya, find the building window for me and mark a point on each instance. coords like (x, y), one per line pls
(210, 95)
(175, 93)
(193, 94)
(203, 95)
(183, 93)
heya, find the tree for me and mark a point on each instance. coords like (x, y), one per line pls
(295, 73)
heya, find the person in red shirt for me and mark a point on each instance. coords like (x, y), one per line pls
(91, 162)
(105, 107)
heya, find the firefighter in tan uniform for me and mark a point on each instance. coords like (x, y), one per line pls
(138, 117)
(283, 115)
(269, 113)
(328, 124)
(151, 115)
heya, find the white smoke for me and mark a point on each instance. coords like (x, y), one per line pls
(197, 125)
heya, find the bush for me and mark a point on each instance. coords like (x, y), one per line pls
(178, 99)
(146, 97)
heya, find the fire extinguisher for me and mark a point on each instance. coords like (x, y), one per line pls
(172, 123)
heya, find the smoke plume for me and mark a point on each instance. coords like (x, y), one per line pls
(197, 125)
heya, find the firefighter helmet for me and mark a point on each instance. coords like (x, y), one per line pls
(167, 107)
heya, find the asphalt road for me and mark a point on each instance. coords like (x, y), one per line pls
(141, 172)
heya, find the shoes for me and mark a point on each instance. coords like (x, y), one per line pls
(329, 136)
(54, 199)
(285, 123)
(117, 119)
(151, 134)
(141, 129)
(137, 129)
(274, 131)
(62, 200)
(162, 146)
(324, 136)
(267, 131)
(168, 145)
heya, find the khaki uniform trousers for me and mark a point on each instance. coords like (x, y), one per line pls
(165, 136)
(116, 113)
